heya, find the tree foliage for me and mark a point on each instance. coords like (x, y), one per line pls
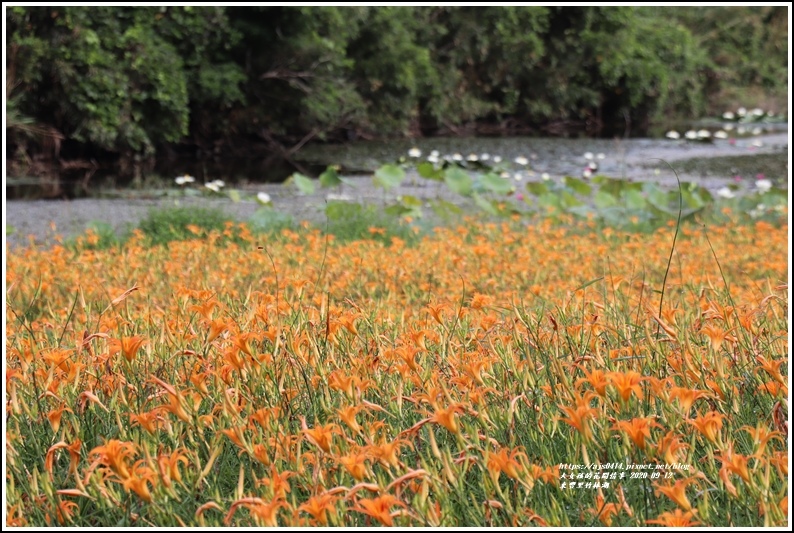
(128, 80)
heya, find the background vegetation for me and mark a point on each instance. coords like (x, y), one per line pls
(128, 83)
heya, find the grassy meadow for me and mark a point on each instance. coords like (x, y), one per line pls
(506, 373)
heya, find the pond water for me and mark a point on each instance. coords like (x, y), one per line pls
(710, 163)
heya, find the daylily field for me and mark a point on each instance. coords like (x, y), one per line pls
(519, 373)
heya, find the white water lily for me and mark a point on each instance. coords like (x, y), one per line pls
(728, 115)
(728, 127)
(181, 180)
(740, 130)
(472, 158)
(485, 157)
(592, 165)
(691, 134)
(756, 131)
(521, 160)
(756, 144)
(457, 157)
(672, 134)
(517, 176)
(212, 186)
(600, 156)
(763, 185)
(505, 175)
(588, 155)
(704, 134)
(720, 134)
(741, 111)
(726, 192)
(433, 158)
(758, 112)
(263, 198)
(219, 183)
(587, 173)
(497, 159)
(435, 153)
(415, 152)
(545, 176)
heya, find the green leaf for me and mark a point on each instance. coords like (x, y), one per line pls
(342, 210)
(634, 199)
(493, 183)
(568, 200)
(579, 186)
(234, 195)
(587, 284)
(268, 219)
(485, 205)
(429, 171)
(603, 200)
(304, 184)
(537, 188)
(410, 201)
(389, 176)
(445, 210)
(330, 178)
(458, 181)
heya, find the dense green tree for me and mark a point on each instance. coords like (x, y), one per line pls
(128, 80)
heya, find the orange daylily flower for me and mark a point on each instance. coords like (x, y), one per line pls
(139, 481)
(479, 301)
(675, 519)
(597, 379)
(677, 492)
(63, 512)
(637, 429)
(74, 455)
(435, 311)
(318, 506)
(348, 416)
(772, 368)
(604, 511)
(717, 335)
(668, 447)
(244, 342)
(626, 383)
(687, 397)
(322, 437)
(761, 435)
(379, 508)
(205, 309)
(149, 421)
(446, 417)
(216, 327)
(278, 482)
(579, 416)
(264, 513)
(355, 464)
(128, 346)
(338, 380)
(474, 370)
(168, 466)
(115, 454)
(54, 417)
(505, 461)
(709, 425)
(733, 463)
(388, 452)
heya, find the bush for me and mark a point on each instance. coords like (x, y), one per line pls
(162, 226)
